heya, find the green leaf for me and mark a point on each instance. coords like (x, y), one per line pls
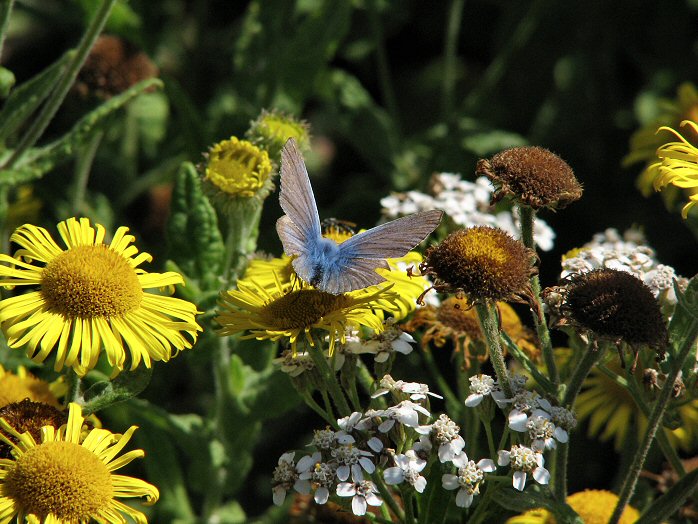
(195, 242)
(7, 81)
(25, 99)
(521, 501)
(128, 384)
(39, 161)
(669, 503)
(683, 323)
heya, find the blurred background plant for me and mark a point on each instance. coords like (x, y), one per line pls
(118, 127)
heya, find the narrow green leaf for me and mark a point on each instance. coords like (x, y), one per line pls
(24, 100)
(435, 500)
(39, 161)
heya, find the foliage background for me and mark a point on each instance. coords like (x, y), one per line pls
(387, 106)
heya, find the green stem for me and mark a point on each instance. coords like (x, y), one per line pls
(5, 10)
(529, 366)
(580, 373)
(383, 69)
(448, 85)
(490, 439)
(82, 173)
(331, 381)
(74, 387)
(481, 509)
(527, 217)
(654, 422)
(308, 399)
(39, 125)
(387, 496)
(407, 495)
(489, 325)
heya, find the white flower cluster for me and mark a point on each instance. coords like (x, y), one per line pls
(629, 253)
(542, 424)
(381, 345)
(466, 203)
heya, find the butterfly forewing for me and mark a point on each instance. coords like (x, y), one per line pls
(296, 196)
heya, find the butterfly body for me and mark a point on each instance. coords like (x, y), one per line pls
(328, 266)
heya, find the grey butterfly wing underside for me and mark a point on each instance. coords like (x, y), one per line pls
(367, 251)
(297, 200)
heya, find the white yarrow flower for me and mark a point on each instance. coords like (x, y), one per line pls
(524, 461)
(468, 478)
(351, 460)
(363, 493)
(407, 469)
(286, 477)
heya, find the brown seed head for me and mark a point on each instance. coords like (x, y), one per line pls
(29, 416)
(532, 176)
(484, 263)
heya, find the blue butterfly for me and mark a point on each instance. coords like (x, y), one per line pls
(328, 266)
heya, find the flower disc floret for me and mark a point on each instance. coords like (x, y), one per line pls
(239, 168)
(484, 263)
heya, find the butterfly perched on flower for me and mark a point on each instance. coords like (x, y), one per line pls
(328, 266)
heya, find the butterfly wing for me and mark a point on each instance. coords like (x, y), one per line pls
(362, 254)
(296, 196)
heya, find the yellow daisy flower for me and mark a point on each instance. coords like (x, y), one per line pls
(406, 288)
(68, 476)
(594, 506)
(91, 295)
(238, 168)
(282, 312)
(678, 165)
(645, 141)
(611, 411)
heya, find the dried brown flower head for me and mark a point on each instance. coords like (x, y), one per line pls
(532, 176)
(29, 416)
(610, 305)
(113, 66)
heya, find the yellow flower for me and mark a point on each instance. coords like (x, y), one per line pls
(282, 312)
(594, 506)
(68, 476)
(611, 411)
(91, 295)
(678, 166)
(272, 129)
(406, 289)
(645, 141)
(15, 387)
(238, 168)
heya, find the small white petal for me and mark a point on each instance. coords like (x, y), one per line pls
(382, 357)
(463, 499)
(393, 475)
(302, 486)
(346, 489)
(503, 457)
(375, 444)
(561, 435)
(460, 460)
(473, 400)
(487, 465)
(386, 425)
(541, 475)
(449, 481)
(402, 347)
(321, 495)
(358, 506)
(543, 403)
(519, 480)
(518, 420)
(345, 438)
(380, 392)
(373, 499)
(368, 466)
(307, 462)
(420, 484)
(343, 472)
(287, 457)
(278, 495)
(423, 430)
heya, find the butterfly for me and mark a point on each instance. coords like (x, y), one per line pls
(326, 265)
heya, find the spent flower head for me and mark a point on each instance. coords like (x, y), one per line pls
(532, 176)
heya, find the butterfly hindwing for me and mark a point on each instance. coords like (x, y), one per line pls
(393, 239)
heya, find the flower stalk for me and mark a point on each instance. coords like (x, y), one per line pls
(490, 329)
